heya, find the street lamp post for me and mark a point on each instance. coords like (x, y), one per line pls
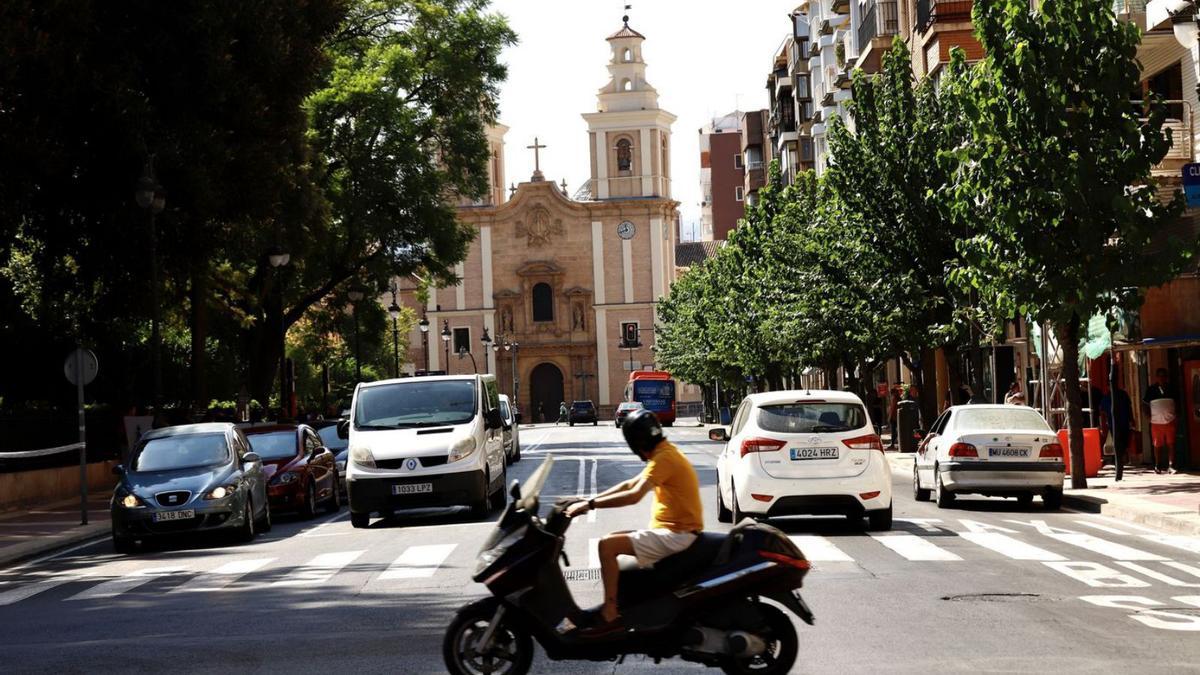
(394, 312)
(356, 294)
(151, 197)
(487, 342)
(514, 347)
(278, 259)
(424, 324)
(462, 353)
(446, 342)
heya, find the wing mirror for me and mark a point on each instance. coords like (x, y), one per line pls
(251, 458)
(493, 419)
(118, 470)
(343, 429)
(718, 435)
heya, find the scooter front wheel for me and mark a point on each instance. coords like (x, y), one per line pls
(782, 644)
(510, 653)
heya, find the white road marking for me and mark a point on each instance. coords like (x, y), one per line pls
(29, 590)
(912, 547)
(222, 577)
(1102, 528)
(1095, 544)
(819, 549)
(1169, 580)
(1115, 521)
(594, 553)
(581, 486)
(1096, 575)
(115, 587)
(418, 562)
(1153, 618)
(591, 516)
(315, 530)
(1190, 544)
(319, 569)
(1009, 547)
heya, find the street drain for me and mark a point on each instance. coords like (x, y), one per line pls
(992, 597)
(582, 575)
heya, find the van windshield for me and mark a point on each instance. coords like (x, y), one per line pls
(416, 404)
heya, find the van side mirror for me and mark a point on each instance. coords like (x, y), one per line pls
(718, 435)
(343, 429)
(118, 470)
(251, 458)
(493, 419)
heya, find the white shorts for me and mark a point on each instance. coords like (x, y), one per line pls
(650, 546)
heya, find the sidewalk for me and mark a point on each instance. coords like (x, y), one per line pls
(1166, 502)
(50, 527)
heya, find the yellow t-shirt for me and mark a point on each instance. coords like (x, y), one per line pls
(676, 491)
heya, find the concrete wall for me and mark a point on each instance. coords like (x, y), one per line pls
(25, 488)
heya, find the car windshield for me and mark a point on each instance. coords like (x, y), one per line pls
(999, 419)
(185, 451)
(275, 445)
(504, 410)
(329, 437)
(417, 403)
(817, 417)
(581, 405)
(631, 406)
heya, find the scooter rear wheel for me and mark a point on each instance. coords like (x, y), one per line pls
(782, 646)
(511, 652)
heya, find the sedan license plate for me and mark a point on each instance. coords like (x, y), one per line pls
(164, 516)
(412, 488)
(814, 453)
(1020, 453)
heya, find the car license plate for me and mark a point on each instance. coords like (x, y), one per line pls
(1008, 452)
(814, 453)
(164, 516)
(412, 488)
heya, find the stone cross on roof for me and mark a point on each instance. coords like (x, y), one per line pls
(537, 168)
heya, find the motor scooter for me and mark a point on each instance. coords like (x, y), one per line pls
(704, 604)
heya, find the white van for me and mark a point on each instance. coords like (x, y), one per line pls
(425, 441)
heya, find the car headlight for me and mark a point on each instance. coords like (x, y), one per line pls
(286, 478)
(221, 492)
(362, 457)
(131, 501)
(462, 449)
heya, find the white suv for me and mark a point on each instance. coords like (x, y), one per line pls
(803, 453)
(425, 441)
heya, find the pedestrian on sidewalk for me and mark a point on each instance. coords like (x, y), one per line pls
(562, 413)
(1014, 396)
(893, 415)
(1160, 399)
(1118, 410)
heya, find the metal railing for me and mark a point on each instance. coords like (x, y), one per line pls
(1181, 122)
(880, 18)
(928, 10)
(1129, 7)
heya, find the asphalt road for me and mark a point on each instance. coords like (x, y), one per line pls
(986, 586)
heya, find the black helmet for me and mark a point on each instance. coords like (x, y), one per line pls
(642, 432)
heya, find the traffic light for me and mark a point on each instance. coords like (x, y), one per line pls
(629, 335)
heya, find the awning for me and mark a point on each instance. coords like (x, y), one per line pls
(1156, 343)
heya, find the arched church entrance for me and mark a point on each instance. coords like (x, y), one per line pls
(546, 392)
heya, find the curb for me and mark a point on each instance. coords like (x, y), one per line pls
(17, 553)
(1160, 521)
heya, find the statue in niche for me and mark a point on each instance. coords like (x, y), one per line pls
(577, 318)
(506, 325)
(624, 155)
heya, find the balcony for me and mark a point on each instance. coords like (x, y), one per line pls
(880, 21)
(841, 6)
(929, 11)
(756, 176)
(1181, 123)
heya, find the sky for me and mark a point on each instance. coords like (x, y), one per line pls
(705, 58)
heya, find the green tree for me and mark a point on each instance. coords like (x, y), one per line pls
(1058, 174)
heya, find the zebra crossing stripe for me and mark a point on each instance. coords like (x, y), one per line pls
(1095, 544)
(1189, 544)
(594, 553)
(1009, 547)
(29, 590)
(223, 576)
(115, 587)
(912, 547)
(319, 569)
(819, 549)
(418, 562)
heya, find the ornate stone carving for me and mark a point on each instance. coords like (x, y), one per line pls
(538, 227)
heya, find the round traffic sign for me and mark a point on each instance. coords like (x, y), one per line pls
(90, 366)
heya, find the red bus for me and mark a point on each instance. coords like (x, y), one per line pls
(655, 390)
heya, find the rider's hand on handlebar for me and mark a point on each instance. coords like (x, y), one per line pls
(577, 509)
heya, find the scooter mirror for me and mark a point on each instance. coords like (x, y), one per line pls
(515, 490)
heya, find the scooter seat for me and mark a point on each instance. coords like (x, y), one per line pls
(637, 584)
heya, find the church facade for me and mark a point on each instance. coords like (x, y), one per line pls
(558, 276)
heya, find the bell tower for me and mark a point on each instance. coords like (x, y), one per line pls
(629, 135)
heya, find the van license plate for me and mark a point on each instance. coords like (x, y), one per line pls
(814, 453)
(164, 516)
(412, 488)
(1008, 452)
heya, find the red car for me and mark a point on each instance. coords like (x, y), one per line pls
(299, 469)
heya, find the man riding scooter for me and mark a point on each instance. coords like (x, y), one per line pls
(676, 519)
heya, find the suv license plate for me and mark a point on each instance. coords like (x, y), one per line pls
(412, 488)
(1008, 452)
(163, 516)
(814, 453)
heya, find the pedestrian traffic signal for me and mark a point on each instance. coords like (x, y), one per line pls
(629, 334)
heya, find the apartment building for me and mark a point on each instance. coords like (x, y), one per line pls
(722, 176)
(756, 152)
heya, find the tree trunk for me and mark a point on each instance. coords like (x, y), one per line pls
(1068, 341)
(199, 330)
(954, 368)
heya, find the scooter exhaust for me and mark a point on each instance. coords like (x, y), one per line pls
(713, 641)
